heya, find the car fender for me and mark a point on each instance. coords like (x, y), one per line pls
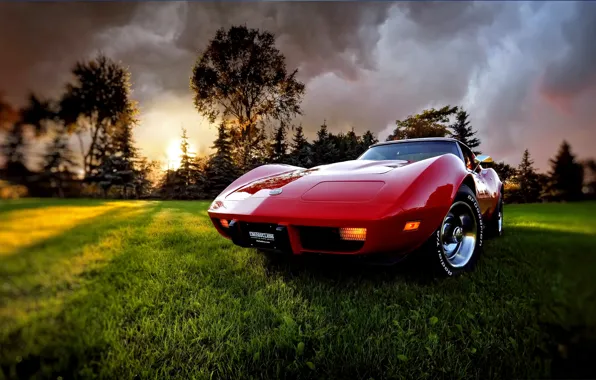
(257, 173)
(429, 194)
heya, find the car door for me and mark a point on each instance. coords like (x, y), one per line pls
(483, 187)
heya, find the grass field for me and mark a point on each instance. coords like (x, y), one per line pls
(149, 290)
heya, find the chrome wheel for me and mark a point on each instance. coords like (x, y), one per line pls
(459, 232)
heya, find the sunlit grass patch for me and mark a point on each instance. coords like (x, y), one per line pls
(39, 277)
(20, 228)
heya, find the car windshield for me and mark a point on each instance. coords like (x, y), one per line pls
(410, 151)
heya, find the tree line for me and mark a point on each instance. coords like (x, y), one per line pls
(240, 83)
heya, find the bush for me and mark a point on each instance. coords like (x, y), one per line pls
(10, 191)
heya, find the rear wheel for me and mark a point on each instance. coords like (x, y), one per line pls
(456, 245)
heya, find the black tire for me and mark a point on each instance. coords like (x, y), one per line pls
(494, 228)
(464, 214)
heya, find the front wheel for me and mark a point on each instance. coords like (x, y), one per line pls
(455, 246)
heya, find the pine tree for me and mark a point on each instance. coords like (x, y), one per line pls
(527, 178)
(185, 169)
(189, 181)
(126, 152)
(324, 150)
(300, 154)
(57, 163)
(462, 131)
(352, 146)
(220, 171)
(367, 140)
(114, 156)
(144, 176)
(565, 177)
(279, 147)
(13, 150)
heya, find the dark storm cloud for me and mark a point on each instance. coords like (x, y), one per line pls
(317, 37)
(365, 64)
(41, 41)
(576, 70)
(442, 20)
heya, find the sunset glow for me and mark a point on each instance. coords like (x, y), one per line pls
(174, 154)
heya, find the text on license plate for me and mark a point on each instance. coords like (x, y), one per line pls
(261, 235)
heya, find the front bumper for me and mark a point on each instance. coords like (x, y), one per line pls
(384, 226)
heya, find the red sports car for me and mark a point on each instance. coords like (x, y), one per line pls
(426, 195)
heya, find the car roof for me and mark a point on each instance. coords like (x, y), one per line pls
(423, 139)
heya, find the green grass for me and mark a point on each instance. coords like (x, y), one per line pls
(150, 290)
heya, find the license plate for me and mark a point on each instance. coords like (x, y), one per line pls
(262, 237)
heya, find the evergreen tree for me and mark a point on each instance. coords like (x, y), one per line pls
(527, 178)
(352, 145)
(462, 131)
(198, 178)
(186, 166)
(127, 153)
(144, 177)
(166, 186)
(13, 150)
(279, 147)
(189, 180)
(323, 149)
(57, 164)
(367, 140)
(300, 154)
(565, 177)
(220, 170)
(114, 156)
(338, 141)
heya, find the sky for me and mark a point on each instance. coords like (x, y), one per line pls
(525, 71)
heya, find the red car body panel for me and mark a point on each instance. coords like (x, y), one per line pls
(381, 196)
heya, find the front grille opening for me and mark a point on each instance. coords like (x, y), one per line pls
(326, 239)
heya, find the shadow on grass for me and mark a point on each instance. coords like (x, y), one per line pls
(556, 266)
(568, 314)
(340, 268)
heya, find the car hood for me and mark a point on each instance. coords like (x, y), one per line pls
(296, 183)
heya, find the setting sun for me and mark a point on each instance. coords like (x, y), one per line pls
(174, 154)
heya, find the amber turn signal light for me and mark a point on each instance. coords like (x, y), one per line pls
(412, 226)
(224, 223)
(350, 233)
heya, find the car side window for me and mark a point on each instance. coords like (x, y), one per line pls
(468, 157)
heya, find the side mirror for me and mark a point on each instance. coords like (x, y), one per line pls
(482, 159)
